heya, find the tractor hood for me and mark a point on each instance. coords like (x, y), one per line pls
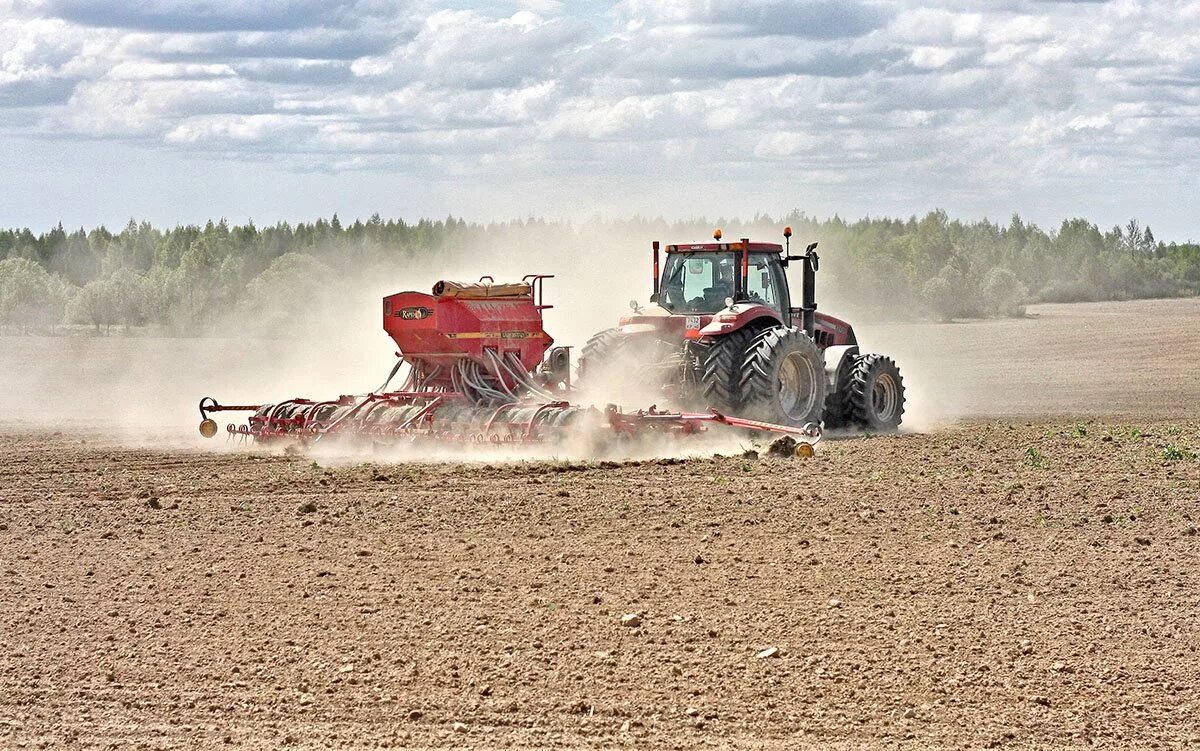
(736, 316)
(657, 319)
(653, 315)
(653, 318)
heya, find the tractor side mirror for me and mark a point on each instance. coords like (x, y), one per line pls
(811, 247)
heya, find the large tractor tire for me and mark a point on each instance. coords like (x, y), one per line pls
(834, 417)
(620, 368)
(721, 364)
(599, 349)
(783, 378)
(837, 412)
(871, 394)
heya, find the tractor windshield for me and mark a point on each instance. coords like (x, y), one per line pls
(700, 282)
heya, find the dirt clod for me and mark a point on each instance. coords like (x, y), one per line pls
(783, 447)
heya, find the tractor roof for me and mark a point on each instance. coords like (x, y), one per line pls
(718, 247)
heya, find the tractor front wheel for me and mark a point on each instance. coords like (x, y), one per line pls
(872, 394)
(783, 378)
(598, 351)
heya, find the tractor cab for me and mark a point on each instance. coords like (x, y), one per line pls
(702, 279)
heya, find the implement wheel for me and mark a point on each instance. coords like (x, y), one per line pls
(783, 378)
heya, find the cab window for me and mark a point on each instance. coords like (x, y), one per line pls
(765, 284)
(697, 282)
(701, 282)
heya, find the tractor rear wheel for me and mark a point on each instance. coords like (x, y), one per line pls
(872, 394)
(721, 369)
(783, 378)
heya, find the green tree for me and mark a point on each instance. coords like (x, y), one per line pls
(1004, 293)
(30, 297)
(93, 304)
(196, 284)
(940, 300)
(295, 290)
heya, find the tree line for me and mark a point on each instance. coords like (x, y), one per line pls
(181, 280)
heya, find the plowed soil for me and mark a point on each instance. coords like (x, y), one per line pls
(989, 585)
(1005, 583)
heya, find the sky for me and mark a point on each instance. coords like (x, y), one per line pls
(178, 111)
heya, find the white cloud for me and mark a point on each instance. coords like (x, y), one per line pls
(146, 70)
(955, 96)
(783, 144)
(371, 66)
(812, 19)
(1093, 122)
(931, 58)
(222, 129)
(917, 25)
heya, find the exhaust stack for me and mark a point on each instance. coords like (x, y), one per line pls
(808, 290)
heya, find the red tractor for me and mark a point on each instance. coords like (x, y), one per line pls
(721, 332)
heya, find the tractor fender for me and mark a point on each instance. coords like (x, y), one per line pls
(837, 357)
(839, 331)
(739, 316)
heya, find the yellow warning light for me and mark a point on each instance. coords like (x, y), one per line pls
(787, 231)
(208, 428)
(717, 233)
(804, 450)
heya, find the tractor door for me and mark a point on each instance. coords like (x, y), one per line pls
(767, 284)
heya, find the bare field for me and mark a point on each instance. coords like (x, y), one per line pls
(1138, 359)
(935, 591)
(1008, 580)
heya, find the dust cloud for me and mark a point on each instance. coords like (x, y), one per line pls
(144, 390)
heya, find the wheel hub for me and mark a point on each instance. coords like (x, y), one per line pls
(797, 386)
(884, 397)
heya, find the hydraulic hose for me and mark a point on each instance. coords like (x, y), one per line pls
(522, 376)
(395, 370)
